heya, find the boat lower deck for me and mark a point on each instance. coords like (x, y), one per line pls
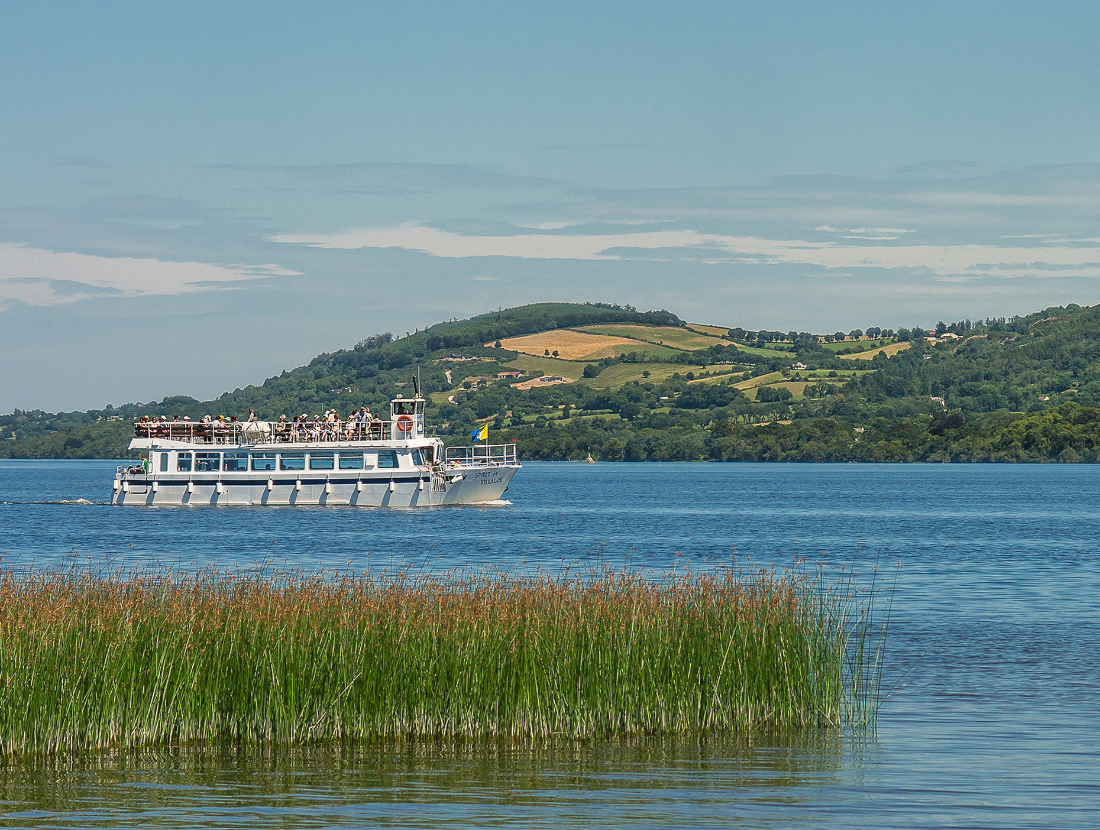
(407, 489)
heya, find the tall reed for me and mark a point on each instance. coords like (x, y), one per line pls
(155, 657)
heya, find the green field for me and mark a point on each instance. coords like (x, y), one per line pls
(726, 371)
(713, 331)
(763, 352)
(864, 345)
(870, 354)
(615, 376)
(547, 366)
(677, 338)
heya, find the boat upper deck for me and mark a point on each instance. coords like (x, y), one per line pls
(260, 432)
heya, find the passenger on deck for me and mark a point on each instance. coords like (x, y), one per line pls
(251, 415)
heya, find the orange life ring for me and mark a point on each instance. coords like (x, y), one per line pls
(404, 423)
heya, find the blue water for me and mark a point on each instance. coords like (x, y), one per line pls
(994, 646)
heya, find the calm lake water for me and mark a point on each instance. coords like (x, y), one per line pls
(995, 639)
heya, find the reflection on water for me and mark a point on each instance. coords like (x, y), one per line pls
(665, 781)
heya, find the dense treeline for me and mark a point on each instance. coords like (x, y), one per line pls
(1068, 433)
(529, 319)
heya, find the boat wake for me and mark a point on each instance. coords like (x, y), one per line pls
(57, 501)
(494, 503)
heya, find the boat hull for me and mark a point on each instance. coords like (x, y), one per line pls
(465, 487)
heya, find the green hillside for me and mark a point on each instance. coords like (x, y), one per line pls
(1026, 389)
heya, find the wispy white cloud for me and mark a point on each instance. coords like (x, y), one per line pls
(879, 234)
(940, 260)
(36, 276)
(527, 246)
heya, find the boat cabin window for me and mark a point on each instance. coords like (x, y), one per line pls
(236, 462)
(320, 460)
(387, 459)
(417, 460)
(183, 462)
(351, 461)
(263, 461)
(164, 462)
(208, 462)
(292, 461)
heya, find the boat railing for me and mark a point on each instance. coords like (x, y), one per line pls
(258, 432)
(482, 455)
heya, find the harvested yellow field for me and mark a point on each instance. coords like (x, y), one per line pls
(672, 336)
(572, 345)
(890, 350)
(760, 381)
(797, 387)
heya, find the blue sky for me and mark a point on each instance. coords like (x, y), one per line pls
(195, 198)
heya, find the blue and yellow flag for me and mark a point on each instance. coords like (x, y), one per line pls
(481, 433)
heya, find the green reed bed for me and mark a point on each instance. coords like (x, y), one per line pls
(90, 660)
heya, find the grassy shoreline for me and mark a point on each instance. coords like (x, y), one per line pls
(162, 659)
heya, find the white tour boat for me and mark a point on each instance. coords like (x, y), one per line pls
(367, 462)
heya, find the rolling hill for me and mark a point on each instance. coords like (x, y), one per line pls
(647, 386)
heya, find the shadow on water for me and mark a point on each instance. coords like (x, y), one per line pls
(427, 782)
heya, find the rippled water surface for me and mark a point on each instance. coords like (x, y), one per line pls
(995, 646)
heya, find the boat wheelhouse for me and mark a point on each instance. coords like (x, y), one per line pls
(366, 462)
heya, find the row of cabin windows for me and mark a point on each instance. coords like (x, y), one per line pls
(241, 462)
